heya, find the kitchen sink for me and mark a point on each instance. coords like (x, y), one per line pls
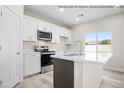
(74, 54)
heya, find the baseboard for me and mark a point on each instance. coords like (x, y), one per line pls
(31, 75)
(114, 69)
(16, 85)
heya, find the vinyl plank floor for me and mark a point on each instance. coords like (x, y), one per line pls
(111, 79)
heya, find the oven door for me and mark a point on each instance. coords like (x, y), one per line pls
(44, 35)
(46, 60)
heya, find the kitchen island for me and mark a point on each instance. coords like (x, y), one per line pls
(75, 71)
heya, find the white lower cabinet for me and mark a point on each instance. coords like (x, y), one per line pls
(32, 64)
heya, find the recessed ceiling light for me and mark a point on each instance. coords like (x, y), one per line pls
(77, 19)
(61, 9)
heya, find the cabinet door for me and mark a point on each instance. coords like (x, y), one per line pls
(62, 32)
(66, 33)
(55, 36)
(33, 30)
(26, 32)
(9, 59)
(42, 26)
(32, 64)
(68, 40)
(29, 29)
(18, 9)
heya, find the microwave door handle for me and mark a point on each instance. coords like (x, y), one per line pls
(51, 35)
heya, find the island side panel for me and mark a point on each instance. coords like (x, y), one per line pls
(78, 74)
(92, 74)
(63, 73)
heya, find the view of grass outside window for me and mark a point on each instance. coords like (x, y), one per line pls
(98, 42)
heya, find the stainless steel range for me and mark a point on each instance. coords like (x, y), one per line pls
(46, 60)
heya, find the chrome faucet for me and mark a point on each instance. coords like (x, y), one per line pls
(81, 44)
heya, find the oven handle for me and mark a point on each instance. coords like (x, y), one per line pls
(47, 53)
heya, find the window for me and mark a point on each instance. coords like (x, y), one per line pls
(90, 42)
(104, 40)
(98, 42)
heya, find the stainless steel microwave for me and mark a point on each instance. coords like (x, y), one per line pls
(41, 35)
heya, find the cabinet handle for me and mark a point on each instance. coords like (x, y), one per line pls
(1, 13)
(1, 82)
(0, 48)
(18, 53)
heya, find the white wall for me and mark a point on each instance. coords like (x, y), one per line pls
(116, 25)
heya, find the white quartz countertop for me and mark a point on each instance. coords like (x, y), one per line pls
(100, 58)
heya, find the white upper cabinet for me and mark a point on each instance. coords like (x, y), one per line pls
(31, 25)
(68, 40)
(55, 35)
(67, 34)
(63, 32)
(29, 29)
(42, 26)
(18, 9)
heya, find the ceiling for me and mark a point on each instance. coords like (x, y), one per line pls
(68, 16)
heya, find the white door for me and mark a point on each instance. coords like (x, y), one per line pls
(9, 58)
(0, 57)
(4, 61)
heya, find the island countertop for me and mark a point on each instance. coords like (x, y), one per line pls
(100, 58)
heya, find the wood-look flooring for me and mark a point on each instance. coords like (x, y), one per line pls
(111, 79)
